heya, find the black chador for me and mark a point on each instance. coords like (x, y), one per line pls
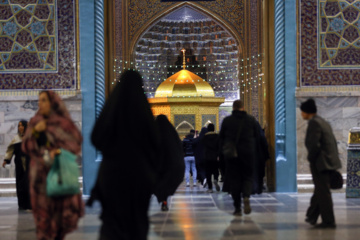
(172, 166)
(21, 172)
(127, 137)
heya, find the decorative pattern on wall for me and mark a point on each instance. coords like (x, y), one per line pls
(353, 174)
(99, 57)
(339, 34)
(28, 38)
(223, 113)
(37, 44)
(334, 60)
(180, 118)
(211, 118)
(140, 11)
(214, 52)
(118, 28)
(254, 29)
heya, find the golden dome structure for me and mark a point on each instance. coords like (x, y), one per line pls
(187, 100)
(184, 83)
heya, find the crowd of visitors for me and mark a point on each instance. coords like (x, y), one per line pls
(156, 162)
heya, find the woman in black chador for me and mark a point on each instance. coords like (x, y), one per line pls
(127, 137)
(199, 156)
(171, 172)
(21, 167)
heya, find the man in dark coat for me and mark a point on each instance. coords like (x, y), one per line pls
(211, 156)
(323, 157)
(239, 170)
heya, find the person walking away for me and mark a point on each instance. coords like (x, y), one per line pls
(189, 158)
(240, 129)
(199, 156)
(323, 157)
(221, 166)
(211, 153)
(171, 173)
(262, 155)
(49, 130)
(22, 162)
(127, 137)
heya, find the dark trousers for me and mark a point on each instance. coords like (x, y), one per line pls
(212, 168)
(240, 181)
(126, 221)
(321, 201)
(200, 168)
(222, 167)
(22, 189)
(124, 213)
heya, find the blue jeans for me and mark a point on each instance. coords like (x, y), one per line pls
(190, 163)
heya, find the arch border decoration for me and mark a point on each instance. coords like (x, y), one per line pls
(175, 7)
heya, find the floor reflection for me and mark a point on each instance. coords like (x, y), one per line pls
(195, 215)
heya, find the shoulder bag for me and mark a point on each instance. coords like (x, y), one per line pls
(229, 148)
(63, 178)
(336, 180)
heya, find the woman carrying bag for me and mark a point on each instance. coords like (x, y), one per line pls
(50, 130)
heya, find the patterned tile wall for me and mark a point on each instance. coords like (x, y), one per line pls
(254, 60)
(180, 118)
(330, 49)
(224, 111)
(339, 35)
(118, 28)
(140, 11)
(353, 174)
(208, 118)
(214, 50)
(37, 44)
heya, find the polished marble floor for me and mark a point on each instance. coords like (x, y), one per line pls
(197, 215)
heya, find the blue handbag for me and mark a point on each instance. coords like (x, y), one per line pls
(63, 177)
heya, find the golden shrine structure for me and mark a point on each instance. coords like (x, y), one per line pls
(187, 100)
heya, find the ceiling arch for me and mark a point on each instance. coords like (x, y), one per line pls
(194, 7)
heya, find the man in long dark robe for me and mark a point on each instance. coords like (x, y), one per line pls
(239, 170)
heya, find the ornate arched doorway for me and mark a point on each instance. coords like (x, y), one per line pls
(137, 38)
(211, 51)
(224, 40)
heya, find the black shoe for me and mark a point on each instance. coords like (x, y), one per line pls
(325, 225)
(310, 221)
(164, 207)
(237, 212)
